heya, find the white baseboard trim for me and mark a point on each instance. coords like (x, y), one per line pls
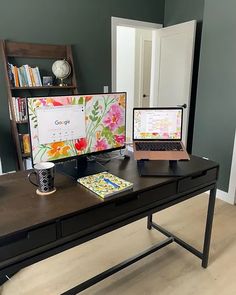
(224, 196)
(8, 173)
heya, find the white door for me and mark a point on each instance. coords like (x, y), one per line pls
(171, 72)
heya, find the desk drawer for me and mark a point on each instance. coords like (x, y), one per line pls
(123, 205)
(197, 180)
(23, 242)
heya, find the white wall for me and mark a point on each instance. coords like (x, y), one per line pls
(125, 70)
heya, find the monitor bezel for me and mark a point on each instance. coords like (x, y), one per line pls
(71, 158)
(159, 108)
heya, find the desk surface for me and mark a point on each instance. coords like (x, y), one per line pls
(35, 227)
(21, 207)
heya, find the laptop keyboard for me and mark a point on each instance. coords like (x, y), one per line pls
(158, 146)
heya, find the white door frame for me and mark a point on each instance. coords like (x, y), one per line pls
(232, 180)
(141, 69)
(117, 21)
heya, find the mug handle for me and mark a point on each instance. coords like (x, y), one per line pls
(29, 177)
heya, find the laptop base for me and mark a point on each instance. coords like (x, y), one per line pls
(161, 168)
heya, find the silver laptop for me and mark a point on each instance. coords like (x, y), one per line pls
(157, 134)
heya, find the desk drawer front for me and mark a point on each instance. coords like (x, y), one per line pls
(159, 193)
(197, 180)
(23, 242)
(124, 205)
(84, 220)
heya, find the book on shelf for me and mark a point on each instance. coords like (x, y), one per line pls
(28, 77)
(16, 77)
(20, 108)
(28, 164)
(105, 184)
(32, 76)
(24, 76)
(10, 72)
(37, 77)
(25, 143)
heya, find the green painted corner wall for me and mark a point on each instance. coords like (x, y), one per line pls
(86, 24)
(215, 118)
(178, 11)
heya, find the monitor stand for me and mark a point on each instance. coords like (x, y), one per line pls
(80, 167)
(163, 168)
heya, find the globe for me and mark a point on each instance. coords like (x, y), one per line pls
(61, 69)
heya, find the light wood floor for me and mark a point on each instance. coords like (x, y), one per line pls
(171, 270)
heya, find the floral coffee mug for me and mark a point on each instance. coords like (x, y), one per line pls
(44, 173)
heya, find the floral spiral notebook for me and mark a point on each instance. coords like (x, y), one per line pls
(105, 184)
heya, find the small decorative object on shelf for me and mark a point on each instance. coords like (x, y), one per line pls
(47, 80)
(61, 69)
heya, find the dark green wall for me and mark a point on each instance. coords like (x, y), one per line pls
(177, 11)
(84, 23)
(216, 98)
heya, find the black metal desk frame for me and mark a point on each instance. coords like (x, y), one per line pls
(170, 239)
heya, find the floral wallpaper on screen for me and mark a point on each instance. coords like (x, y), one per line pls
(104, 121)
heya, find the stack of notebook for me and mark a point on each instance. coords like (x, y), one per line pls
(105, 184)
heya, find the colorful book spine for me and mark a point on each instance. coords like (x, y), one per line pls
(10, 74)
(37, 82)
(32, 76)
(26, 67)
(26, 143)
(16, 76)
(39, 77)
(19, 76)
(23, 76)
(19, 108)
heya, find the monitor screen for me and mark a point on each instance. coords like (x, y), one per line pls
(160, 124)
(62, 127)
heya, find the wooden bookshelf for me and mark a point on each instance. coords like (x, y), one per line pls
(9, 50)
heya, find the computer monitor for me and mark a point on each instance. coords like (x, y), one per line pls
(63, 128)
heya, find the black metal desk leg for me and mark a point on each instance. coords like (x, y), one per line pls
(208, 229)
(149, 222)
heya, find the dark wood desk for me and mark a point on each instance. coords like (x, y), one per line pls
(33, 227)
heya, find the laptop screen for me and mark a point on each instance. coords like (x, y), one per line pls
(157, 123)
